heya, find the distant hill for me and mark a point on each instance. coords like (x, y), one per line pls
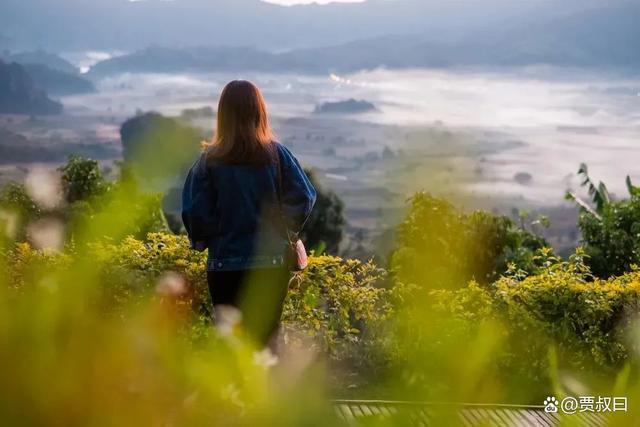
(74, 25)
(50, 72)
(600, 37)
(41, 57)
(57, 82)
(168, 60)
(18, 95)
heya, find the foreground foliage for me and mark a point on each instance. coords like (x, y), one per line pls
(336, 303)
(346, 310)
(113, 327)
(558, 330)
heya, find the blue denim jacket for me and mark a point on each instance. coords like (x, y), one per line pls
(238, 213)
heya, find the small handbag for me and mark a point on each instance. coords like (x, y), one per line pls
(295, 256)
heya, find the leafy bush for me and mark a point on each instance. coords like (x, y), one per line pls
(68, 363)
(504, 342)
(342, 306)
(116, 324)
(81, 179)
(611, 231)
(130, 270)
(27, 268)
(17, 209)
(441, 247)
(587, 319)
(613, 240)
(89, 196)
(338, 304)
(560, 320)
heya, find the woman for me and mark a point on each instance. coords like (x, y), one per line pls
(242, 198)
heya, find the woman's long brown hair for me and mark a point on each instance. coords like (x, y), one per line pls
(243, 134)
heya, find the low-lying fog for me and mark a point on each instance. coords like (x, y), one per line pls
(540, 122)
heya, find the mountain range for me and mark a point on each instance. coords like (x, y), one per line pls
(19, 95)
(604, 36)
(50, 72)
(64, 25)
(57, 82)
(233, 35)
(41, 57)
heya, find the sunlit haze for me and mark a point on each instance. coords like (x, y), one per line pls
(294, 2)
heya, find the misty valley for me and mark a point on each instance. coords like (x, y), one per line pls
(489, 139)
(493, 103)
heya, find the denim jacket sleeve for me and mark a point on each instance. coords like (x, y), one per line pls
(298, 195)
(198, 201)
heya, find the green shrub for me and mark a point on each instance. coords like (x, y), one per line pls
(441, 247)
(120, 202)
(339, 304)
(68, 360)
(613, 240)
(338, 308)
(611, 230)
(475, 343)
(130, 270)
(17, 209)
(343, 307)
(81, 179)
(585, 324)
(27, 268)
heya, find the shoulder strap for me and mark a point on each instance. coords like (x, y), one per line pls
(278, 174)
(279, 183)
(278, 162)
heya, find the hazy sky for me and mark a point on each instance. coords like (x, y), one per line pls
(290, 2)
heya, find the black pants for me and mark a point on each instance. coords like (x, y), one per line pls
(258, 293)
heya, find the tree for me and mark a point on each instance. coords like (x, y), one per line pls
(324, 229)
(157, 149)
(17, 210)
(18, 95)
(441, 247)
(81, 179)
(611, 230)
(88, 195)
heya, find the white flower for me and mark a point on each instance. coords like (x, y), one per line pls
(265, 358)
